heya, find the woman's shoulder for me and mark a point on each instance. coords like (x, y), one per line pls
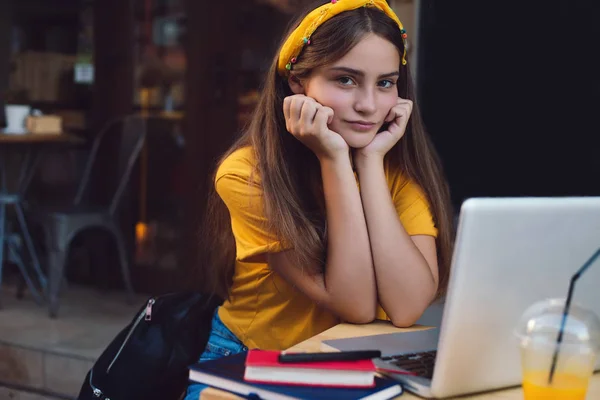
(240, 162)
(395, 176)
(400, 182)
(236, 181)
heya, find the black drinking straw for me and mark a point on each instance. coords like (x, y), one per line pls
(566, 311)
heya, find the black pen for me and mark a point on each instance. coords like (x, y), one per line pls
(329, 356)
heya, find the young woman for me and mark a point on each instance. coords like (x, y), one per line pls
(332, 205)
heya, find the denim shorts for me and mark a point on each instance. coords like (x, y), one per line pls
(221, 342)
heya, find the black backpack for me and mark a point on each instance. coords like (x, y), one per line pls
(149, 358)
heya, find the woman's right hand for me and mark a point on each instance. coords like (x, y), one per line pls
(308, 121)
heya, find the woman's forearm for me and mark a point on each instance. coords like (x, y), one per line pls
(405, 282)
(349, 277)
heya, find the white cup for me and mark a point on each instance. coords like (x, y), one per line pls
(15, 118)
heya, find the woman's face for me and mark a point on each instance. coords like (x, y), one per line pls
(361, 88)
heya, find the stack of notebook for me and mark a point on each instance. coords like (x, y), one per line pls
(258, 373)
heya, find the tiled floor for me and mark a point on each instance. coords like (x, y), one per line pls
(54, 355)
(13, 394)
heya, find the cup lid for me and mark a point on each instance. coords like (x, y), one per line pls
(541, 323)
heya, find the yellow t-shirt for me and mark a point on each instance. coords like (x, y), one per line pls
(264, 311)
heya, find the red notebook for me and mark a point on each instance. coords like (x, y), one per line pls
(263, 366)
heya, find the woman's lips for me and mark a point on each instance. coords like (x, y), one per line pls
(361, 125)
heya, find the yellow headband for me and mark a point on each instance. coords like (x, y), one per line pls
(294, 44)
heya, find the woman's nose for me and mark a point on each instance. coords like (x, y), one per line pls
(365, 101)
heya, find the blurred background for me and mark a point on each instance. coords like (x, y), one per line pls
(132, 102)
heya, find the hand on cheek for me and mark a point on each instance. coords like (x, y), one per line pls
(308, 121)
(396, 120)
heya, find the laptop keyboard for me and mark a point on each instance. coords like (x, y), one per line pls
(419, 363)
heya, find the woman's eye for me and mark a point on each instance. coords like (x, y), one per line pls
(345, 80)
(387, 84)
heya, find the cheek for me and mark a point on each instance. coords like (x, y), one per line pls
(335, 99)
(389, 102)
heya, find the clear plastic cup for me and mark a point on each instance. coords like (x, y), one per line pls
(575, 359)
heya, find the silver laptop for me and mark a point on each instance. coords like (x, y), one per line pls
(509, 254)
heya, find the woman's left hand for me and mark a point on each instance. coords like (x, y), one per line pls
(382, 143)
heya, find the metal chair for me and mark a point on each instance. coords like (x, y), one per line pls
(60, 226)
(9, 238)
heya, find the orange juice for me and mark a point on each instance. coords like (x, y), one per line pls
(564, 386)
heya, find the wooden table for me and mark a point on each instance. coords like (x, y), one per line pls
(342, 331)
(35, 138)
(28, 142)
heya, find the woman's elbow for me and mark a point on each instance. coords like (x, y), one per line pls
(360, 319)
(403, 321)
(405, 318)
(359, 315)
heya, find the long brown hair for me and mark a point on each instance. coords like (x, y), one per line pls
(290, 173)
